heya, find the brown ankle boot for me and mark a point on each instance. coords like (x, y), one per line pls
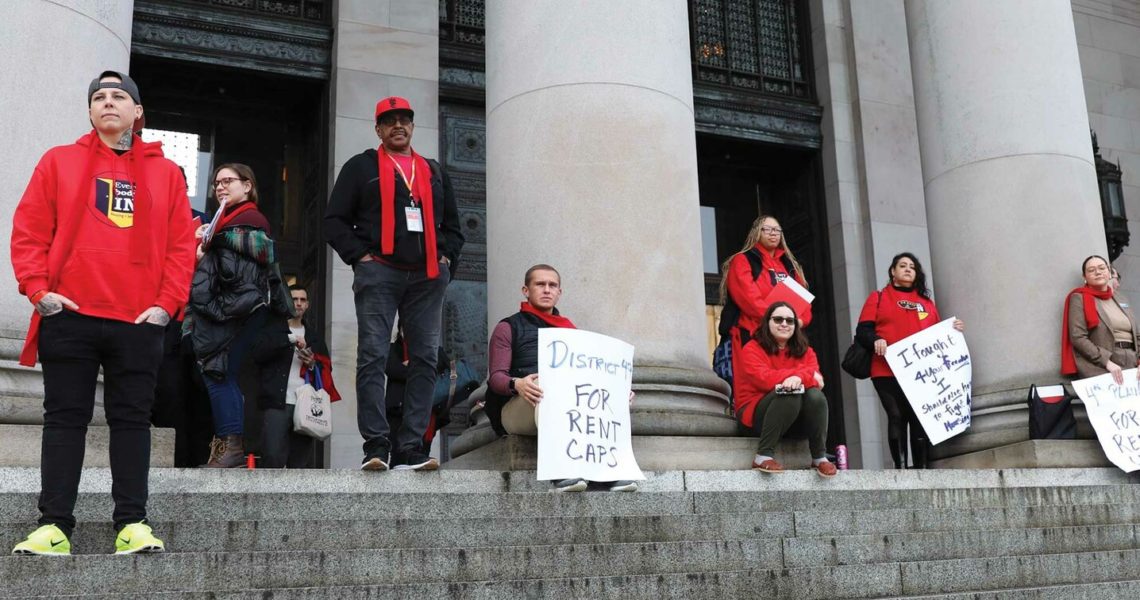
(229, 454)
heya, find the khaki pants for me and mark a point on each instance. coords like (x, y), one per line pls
(520, 417)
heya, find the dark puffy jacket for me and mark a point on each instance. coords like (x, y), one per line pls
(236, 276)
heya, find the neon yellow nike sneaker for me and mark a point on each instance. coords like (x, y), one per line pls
(48, 540)
(135, 538)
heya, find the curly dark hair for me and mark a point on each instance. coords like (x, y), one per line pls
(919, 275)
(798, 344)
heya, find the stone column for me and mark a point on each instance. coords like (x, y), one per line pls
(1011, 192)
(52, 50)
(591, 167)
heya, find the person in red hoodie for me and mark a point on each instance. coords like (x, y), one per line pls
(779, 389)
(750, 275)
(902, 308)
(102, 246)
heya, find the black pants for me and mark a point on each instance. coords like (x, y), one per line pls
(72, 348)
(280, 445)
(899, 414)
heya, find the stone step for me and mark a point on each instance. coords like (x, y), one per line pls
(1107, 590)
(283, 575)
(1069, 529)
(1001, 573)
(237, 570)
(816, 584)
(19, 446)
(878, 522)
(716, 585)
(29, 410)
(930, 546)
(454, 532)
(164, 480)
(239, 505)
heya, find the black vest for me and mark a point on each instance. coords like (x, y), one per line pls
(524, 343)
(524, 360)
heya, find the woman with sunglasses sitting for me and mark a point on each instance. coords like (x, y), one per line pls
(778, 390)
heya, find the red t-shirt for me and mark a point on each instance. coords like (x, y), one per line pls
(897, 315)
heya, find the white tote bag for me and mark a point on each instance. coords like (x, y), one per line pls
(312, 415)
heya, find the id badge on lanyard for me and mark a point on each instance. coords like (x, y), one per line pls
(415, 219)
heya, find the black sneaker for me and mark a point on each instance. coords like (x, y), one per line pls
(376, 461)
(414, 460)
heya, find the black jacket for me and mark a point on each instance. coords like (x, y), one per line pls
(237, 276)
(352, 217)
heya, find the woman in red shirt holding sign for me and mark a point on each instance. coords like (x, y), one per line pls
(749, 276)
(902, 308)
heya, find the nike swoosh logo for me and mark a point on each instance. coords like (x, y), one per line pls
(55, 543)
(125, 540)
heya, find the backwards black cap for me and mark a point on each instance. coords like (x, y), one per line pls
(125, 83)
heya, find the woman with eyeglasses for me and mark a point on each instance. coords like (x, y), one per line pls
(779, 390)
(902, 308)
(750, 275)
(237, 312)
(1098, 333)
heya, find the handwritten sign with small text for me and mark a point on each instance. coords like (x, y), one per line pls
(933, 369)
(583, 418)
(1114, 411)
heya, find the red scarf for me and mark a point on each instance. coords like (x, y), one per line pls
(422, 193)
(554, 320)
(1092, 320)
(230, 214)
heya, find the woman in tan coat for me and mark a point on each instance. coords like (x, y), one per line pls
(1099, 333)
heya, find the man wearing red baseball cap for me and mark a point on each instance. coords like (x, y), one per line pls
(392, 216)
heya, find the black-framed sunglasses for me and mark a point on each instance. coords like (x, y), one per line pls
(784, 320)
(390, 120)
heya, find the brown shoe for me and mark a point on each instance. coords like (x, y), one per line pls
(230, 454)
(768, 466)
(826, 469)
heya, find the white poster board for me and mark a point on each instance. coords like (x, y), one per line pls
(933, 369)
(1114, 411)
(583, 418)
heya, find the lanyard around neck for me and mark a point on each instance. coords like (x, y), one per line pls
(408, 182)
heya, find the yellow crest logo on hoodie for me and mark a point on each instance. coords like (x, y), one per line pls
(115, 199)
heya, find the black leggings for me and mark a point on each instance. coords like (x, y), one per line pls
(899, 411)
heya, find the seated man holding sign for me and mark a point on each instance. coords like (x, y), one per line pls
(513, 393)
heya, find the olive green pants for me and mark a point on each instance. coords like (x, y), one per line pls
(803, 414)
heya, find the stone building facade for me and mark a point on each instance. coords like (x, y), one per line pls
(958, 131)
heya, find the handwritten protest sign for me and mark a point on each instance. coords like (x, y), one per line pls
(933, 369)
(583, 419)
(1114, 411)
